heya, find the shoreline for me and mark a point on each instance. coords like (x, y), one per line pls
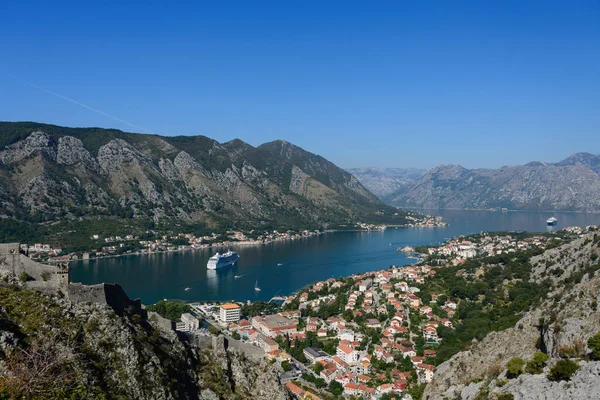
(500, 211)
(223, 245)
(411, 258)
(244, 244)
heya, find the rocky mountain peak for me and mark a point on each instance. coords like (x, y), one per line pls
(581, 159)
(537, 164)
(36, 142)
(284, 149)
(71, 151)
(237, 148)
(385, 181)
(447, 171)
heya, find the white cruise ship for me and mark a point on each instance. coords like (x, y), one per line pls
(552, 221)
(222, 260)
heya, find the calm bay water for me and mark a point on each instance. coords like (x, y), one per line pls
(166, 275)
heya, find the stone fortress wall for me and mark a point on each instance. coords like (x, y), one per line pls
(224, 343)
(17, 268)
(111, 294)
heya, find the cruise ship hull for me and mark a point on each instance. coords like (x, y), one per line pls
(223, 262)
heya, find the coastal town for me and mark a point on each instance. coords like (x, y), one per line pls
(156, 242)
(371, 335)
(111, 246)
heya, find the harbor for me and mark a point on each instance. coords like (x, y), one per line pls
(166, 275)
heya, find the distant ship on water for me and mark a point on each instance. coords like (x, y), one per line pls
(552, 221)
(222, 260)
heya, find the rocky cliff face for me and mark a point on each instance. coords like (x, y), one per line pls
(50, 173)
(53, 348)
(328, 175)
(570, 185)
(560, 327)
(385, 181)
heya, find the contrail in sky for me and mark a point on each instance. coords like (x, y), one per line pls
(77, 102)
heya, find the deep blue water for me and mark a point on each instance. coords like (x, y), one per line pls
(166, 275)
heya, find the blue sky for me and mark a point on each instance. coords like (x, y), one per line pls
(397, 84)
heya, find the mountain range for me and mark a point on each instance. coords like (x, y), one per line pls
(386, 181)
(51, 174)
(569, 185)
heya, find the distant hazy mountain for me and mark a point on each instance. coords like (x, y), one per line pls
(54, 174)
(570, 185)
(385, 181)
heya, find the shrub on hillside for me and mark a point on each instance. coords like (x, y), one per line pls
(515, 367)
(594, 345)
(563, 370)
(537, 363)
(505, 396)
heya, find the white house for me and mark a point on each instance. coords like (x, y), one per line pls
(347, 354)
(346, 334)
(364, 285)
(188, 323)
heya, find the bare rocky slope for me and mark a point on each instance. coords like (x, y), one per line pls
(570, 185)
(560, 327)
(55, 348)
(50, 173)
(385, 181)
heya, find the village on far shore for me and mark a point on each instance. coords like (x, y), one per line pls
(156, 242)
(367, 335)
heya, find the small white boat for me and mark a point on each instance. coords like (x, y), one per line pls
(279, 264)
(237, 276)
(187, 288)
(256, 287)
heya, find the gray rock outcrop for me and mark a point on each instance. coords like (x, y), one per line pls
(584, 385)
(560, 326)
(71, 151)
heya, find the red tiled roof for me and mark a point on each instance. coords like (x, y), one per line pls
(426, 366)
(345, 348)
(365, 388)
(294, 388)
